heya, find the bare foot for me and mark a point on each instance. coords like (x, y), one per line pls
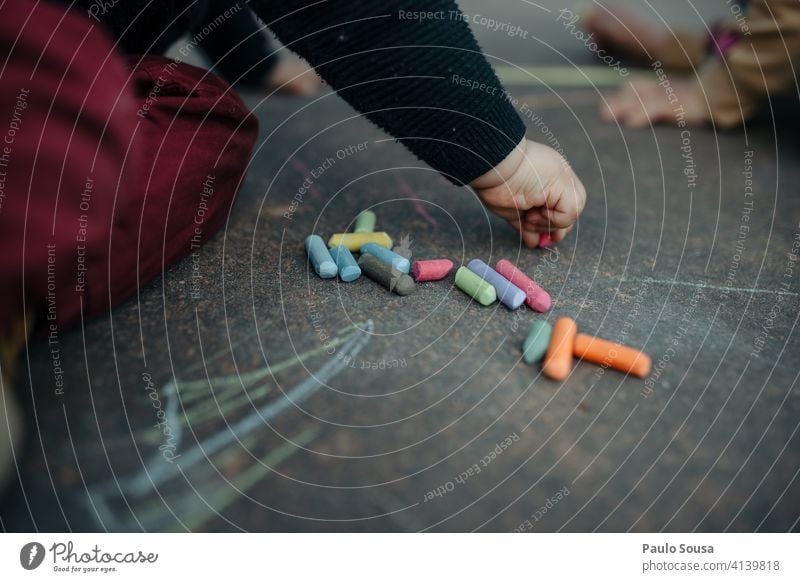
(621, 29)
(643, 102)
(293, 76)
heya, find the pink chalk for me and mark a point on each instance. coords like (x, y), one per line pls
(432, 270)
(535, 297)
(545, 240)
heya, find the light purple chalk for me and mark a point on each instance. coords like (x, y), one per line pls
(509, 294)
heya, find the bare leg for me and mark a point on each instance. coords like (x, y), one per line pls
(621, 30)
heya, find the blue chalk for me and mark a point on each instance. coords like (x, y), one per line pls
(384, 255)
(509, 294)
(320, 257)
(348, 268)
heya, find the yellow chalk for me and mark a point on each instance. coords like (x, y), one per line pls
(355, 240)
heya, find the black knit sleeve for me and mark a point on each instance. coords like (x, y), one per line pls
(414, 68)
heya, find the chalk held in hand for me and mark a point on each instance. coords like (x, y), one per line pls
(386, 256)
(471, 284)
(558, 359)
(346, 264)
(387, 276)
(355, 240)
(536, 298)
(365, 222)
(320, 257)
(536, 343)
(545, 240)
(431, 270)
(611, 354)
(509, 294)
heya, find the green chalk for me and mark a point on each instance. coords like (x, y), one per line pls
(535, 345)
(475, 287)
(365, 222)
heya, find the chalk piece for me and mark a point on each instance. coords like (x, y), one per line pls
(365, 222)
(348, 268)
(611, 354)
(471, 284)
(545, 240)
(387, 276)
(432, 270)
(385, 255)
(319, 256)
(509, 294)
(536, 343)
(558, 359)
(355, 240)
(535, 297)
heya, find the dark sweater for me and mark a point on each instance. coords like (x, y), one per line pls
(405, 72)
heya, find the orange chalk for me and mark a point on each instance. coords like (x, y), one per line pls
(611, 354)
(558, 359)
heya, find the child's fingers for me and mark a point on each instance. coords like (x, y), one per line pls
(530, 238)
(564, 214)
(522, 199)
(514, 218)
(508, 214)
(561, 233)
(528, 233)
(537, 221)
(559, 219)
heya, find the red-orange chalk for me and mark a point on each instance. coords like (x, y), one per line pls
(432, 270)
(611, 354)
(545, 240)
(558, 359)
(535, 297)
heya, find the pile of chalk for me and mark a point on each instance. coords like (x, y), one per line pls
(394, 271)
(556, 344)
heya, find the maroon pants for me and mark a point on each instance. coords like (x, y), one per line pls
(109, 170)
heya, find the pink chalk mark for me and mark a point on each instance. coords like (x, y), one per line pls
(305, 171)
(415, 201)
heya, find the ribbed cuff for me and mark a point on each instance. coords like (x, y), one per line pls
(478, 145)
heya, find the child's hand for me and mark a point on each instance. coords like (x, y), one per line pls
(643, 102)
(535, 190)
